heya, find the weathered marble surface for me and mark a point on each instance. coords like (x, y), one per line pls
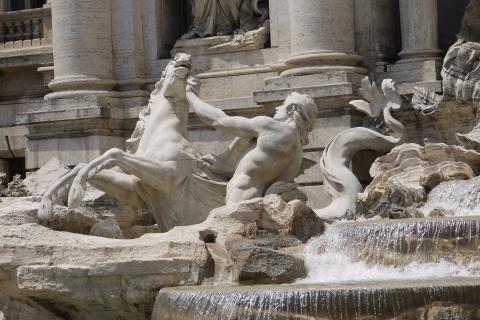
(238, 42)
(15, 188)
(41, 180)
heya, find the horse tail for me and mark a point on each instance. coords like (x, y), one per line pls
(56, 193)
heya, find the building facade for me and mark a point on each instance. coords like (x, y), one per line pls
(75, 74)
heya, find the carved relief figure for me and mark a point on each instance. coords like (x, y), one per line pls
(224, 17)
(267, 154)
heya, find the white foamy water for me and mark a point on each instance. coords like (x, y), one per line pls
(336, 257)
(456, 198)
(330, 268)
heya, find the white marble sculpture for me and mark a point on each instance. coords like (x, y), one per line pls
(267, 155)
(340, 182)
(224, 17)
(162, 170)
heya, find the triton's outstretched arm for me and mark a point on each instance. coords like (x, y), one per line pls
(236, 126)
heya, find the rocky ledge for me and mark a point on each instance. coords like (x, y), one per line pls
(50, 274)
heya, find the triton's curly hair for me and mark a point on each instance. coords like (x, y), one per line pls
(305, 113)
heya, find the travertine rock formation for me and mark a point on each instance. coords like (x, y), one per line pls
(67, 275)
(57, 275)
(450, 310)
(259, 240)
(16, 188)
(403, 178)
(38, 182)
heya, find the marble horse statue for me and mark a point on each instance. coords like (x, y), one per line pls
(161, 169)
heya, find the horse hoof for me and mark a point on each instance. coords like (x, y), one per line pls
(45, 210)
(75, 196)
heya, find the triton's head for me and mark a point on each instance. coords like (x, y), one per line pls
(302, 109)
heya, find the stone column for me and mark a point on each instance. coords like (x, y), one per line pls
(376, 28)
(322, 61)
(128, 49)
(322, 36)
(419, 24)
(82, 51)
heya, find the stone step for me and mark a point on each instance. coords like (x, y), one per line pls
(389, 300)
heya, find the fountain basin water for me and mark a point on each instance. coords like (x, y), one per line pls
(394, 250)
(454, 198)
(381, 300)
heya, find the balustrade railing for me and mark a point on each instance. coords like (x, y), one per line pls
(25, 28)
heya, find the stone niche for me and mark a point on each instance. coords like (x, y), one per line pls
(252, 33)
(174, 18)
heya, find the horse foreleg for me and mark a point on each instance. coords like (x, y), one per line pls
(119, 185)
(162, 176)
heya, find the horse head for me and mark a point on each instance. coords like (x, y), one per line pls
(173, 84)
(175, 77)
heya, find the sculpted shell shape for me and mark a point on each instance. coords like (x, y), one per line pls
(403, 178)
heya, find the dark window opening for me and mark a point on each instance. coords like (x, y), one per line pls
(16, 5)
(450, 14)
(16, 166)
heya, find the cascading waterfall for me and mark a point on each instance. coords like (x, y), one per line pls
(455, 198)
(376, 269)
(395, 250)
(382, 301)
